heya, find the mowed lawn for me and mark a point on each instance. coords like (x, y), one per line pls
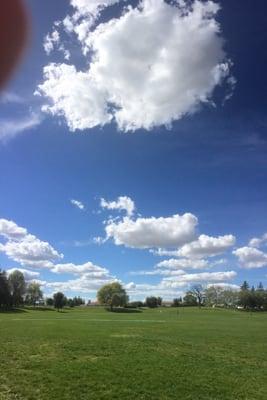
(90, 353)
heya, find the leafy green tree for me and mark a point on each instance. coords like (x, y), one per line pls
(152, 302)
(244, 286)
(59, 300)
(49, 301)
(70, 303)
(177, 302)
(159, 300)
(112, 295)
(78, 301)
(4, 290)
(245, 295)
(189, 299)
(17, 287)
(34, 293)
(135, 304)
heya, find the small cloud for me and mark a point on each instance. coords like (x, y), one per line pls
(77, 204)
(123, 203)
(50, 41)
(10, 128)
(10, 97)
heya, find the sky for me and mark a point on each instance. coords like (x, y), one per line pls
(133, 147)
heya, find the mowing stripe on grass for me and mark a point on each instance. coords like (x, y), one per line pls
(88, 320)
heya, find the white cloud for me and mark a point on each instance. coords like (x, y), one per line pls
(169, 286)
(250, 257)
(84, 284)
(28, 275)
(200, 277)
(87, 268)
(11, 231)
(170, 68)
(25, 248)
(74, 96)
(158, 271)
(10, 128)
(206, 246)
(224, 286)
(122, 203)
(77, 204)
(51, 41)
(257, 242)
(153, 232)
(183, 263)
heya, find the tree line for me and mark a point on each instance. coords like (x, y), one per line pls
(247, 298)
(15, 292)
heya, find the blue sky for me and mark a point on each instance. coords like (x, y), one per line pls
(168, 129)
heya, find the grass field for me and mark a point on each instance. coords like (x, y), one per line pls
(89, 353)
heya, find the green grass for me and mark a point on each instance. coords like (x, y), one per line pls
(89, 353)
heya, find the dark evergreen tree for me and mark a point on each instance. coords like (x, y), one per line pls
(4, 290)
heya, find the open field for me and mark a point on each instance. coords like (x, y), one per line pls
(89, 353)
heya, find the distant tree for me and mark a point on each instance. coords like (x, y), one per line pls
(49, 301)
(70, 303)
(213, 295)
(159, 300)
(4, 290)
(198, 292)
(177, 302)
(78, 301)
(33, 293)
(260, 295)
(17, 287)
(152, 302)
(189, 299)
(112, 295)
(245, 295)
(229, 297)
(59, 300)
(135, 304)
(244, 286)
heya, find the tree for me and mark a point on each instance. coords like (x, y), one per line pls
(34, 293)
(78, 301)
(17, 287)
(213, 295)
(113, 295)
(229, 297)
(49, 301)
(197, 291)
(159, 300)
(177, 302)
(189, 299)
(245, 295)
(59, 300)
(4, 290)
(244, 286)
(152, 302)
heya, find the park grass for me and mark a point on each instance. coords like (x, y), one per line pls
(90, 353)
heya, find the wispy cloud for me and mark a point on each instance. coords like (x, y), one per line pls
(10, 128)
(10, 97)
(77, 204)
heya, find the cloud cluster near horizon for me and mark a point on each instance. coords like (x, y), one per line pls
(170, 68)
(189, 256)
